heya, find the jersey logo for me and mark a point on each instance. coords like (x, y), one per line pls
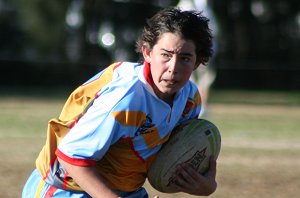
(188, 107)
(147, 127)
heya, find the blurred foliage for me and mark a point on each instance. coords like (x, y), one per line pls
(68, 31)
(39, 30)
(256, 39)
(33, 29)
(259, 33)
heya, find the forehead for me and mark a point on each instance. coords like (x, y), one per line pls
(175, 43)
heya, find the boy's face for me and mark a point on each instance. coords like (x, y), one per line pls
(172, 61)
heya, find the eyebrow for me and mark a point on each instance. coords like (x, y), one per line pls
(173, 52)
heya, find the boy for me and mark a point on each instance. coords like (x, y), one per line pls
(111, 127)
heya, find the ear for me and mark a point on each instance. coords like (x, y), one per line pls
(146, 53)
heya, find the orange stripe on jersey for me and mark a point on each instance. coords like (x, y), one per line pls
(151, 138)
(197, 99)
(138, 118)
(80, 99)
(110, 67)
(130, 118)
(133, 149)
(122, 166)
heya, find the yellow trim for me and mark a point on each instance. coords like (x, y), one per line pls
(39, 189)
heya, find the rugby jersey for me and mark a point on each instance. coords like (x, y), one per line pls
(116, 123)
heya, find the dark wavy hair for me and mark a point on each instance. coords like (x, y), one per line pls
(191, 25)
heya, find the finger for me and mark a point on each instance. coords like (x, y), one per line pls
(187, 173)
(187, 177)
(180, 184)
(212, 168)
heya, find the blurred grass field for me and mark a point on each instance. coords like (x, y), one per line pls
(260, 155)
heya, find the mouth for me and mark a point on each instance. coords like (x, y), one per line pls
(169, 81)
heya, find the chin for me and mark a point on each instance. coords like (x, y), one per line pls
(169, 91)
(165, 91)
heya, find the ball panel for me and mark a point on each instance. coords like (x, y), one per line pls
(192, 142)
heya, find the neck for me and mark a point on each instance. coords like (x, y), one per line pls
(169, 100)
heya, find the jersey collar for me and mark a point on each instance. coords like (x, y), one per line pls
(147, 74)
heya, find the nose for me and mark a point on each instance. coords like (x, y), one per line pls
(173, 65)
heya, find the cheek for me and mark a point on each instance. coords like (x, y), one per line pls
(187, 72)
(158, 69)
(156, 72)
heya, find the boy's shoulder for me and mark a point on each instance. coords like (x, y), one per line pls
(191, 86)
(128, 68)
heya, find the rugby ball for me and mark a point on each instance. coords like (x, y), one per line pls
(192, 142)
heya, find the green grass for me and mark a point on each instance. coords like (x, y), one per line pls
(260, 154)
(261, 97)
(26, 117)
(257, 114)
(251, 121)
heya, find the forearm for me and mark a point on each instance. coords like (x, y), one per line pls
(89, 180)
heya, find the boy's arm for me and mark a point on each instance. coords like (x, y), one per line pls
(89, 180)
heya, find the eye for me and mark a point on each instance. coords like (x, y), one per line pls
(165, 55)
(186, 59)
